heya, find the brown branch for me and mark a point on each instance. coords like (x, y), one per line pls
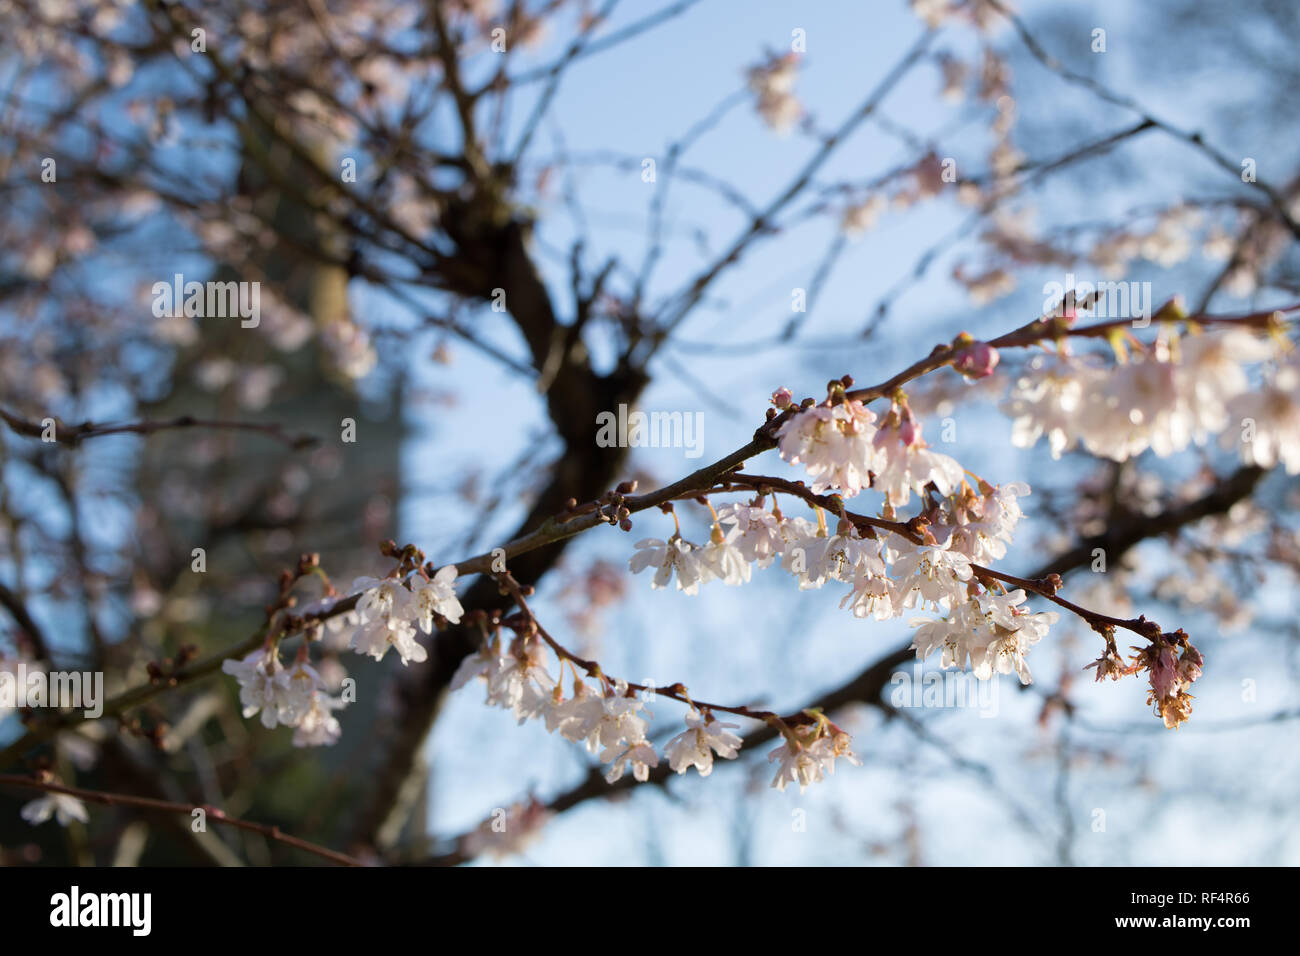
(868, 686)
(216, 814)
(73, 435)
(1051, 328)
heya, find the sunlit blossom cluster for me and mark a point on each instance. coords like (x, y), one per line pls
(845, 449)
(1177, 393)
(773, 83)
(388, 615)
(609, 718)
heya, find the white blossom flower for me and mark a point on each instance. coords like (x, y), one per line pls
(799, 763)
(669, 556)
(862, 216)
(438, 597)
(387, 611)
(833, 443)
(1005, 654)
(1138, 406)
(376, 635)
(578, 718)
(799, 541)
(522, 684)
(1046, 400)
(1270, 422)
(1212, 373)
(263, 685)
(1012, 631)
(961, 636)
(640, 754)
(383, 599)
(759, 532)
(873, 595)
(482, 663)
(694, 746)
(838, 557)
(617, 721)
(721, 559)
(773, 81)
(339, 628)
(318, 726)
(904, 463)
(62, 806)
(301, 687)
(808, 763)
(984, 525)
(933, 571)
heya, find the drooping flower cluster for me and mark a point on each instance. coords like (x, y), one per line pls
(841, 447)
(887, 576)
(286, 697)
(695, 746)
(773, 82)
(389, 610)
(609, 719)
(1173, 394)
(808, 753)
(388, 613)
(1170, 673)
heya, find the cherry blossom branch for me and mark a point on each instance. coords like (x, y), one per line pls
(163, 679)
(676, 691)
(1051, 328)
(216, 814)
(868, 686)
(915, 531)
(615, 507)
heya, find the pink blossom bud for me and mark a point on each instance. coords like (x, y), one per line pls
(978, 361)
(909, 430)
(782, 397)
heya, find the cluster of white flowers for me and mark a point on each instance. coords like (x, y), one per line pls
(991, 632)
(286, 697)
(773, 81)
(843, 449)
(62, 806)
(608, 719)
(841, 446)
(808, 753)
(390, 609)
(1178, 393)
(862, 216)
(388, 612)
(349, 348)
(1270, 420)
